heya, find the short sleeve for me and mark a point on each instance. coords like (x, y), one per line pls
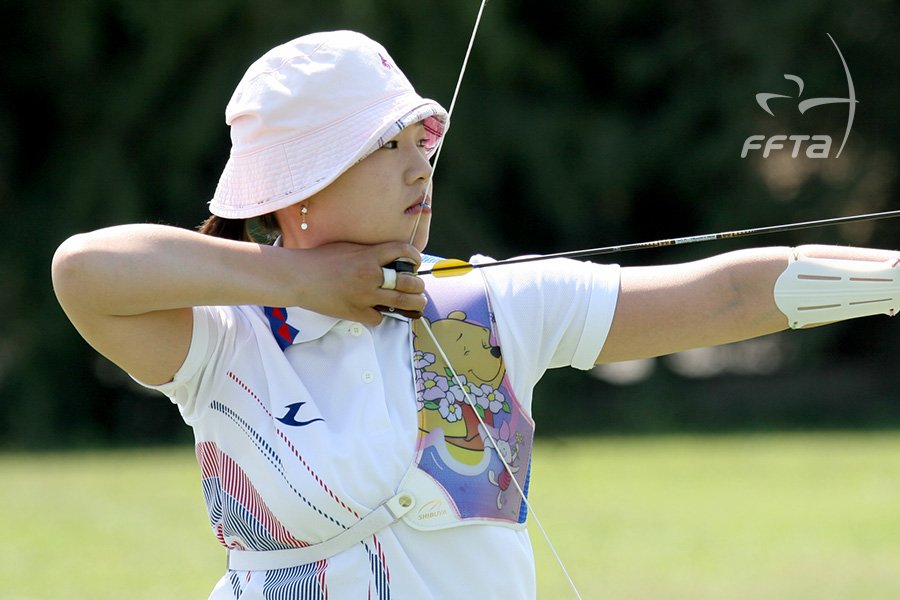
(209, 329)
(552, 313)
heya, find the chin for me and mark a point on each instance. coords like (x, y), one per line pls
(421, 241)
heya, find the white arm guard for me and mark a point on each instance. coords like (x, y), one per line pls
(825, 290)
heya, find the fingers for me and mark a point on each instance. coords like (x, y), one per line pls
(401, 280)
(389, 279)
(391, 251)
(407, 298)
(409, 284)
(349, 278)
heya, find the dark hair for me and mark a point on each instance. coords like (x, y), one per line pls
(259, 230)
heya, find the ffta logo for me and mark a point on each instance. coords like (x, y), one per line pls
(819, 146)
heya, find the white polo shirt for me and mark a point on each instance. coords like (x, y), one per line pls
(296, 445)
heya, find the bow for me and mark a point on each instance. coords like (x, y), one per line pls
(454, 267)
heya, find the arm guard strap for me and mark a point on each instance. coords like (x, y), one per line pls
(824, 290)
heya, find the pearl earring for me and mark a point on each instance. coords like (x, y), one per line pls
(303, 224)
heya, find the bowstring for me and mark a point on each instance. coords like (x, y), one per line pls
(506, 465)
(437, 155)
(493, 441)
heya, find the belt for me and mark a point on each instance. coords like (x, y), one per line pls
(387, 512)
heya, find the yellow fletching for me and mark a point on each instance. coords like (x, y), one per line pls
(450, 267)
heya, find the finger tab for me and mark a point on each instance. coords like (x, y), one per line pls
(403, 265)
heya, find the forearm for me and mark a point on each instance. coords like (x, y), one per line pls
(752, 309)
(722, 299)
(136, 269)
(821, 285)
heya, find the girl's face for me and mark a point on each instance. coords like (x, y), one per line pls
(377, 200)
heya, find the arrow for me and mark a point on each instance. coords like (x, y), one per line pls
(453, 267)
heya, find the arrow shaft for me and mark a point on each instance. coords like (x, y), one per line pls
(693, 239)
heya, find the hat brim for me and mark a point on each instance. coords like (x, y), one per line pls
(262, 182)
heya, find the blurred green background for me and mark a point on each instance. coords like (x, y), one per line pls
(782, 516)
(579, 124)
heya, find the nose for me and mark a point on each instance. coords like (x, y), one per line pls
(420, 168)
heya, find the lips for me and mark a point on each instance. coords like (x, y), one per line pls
(422, 204)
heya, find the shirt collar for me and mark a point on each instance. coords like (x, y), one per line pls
(295, 325)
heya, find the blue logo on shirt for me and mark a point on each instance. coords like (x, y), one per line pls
(291, 417)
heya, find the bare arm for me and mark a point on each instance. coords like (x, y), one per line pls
(129, 289)
(723, 299)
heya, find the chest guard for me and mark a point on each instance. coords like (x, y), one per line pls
(458, 477)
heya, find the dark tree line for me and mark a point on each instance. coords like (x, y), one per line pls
(579, 124)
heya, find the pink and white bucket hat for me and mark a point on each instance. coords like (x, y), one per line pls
(307, 111)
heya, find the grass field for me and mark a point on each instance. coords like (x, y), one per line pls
(736, 517)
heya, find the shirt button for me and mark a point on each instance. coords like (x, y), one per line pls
(356, 330)
(368, 376)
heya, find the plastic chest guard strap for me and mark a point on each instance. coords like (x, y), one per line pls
(265, 560)
(823, 290)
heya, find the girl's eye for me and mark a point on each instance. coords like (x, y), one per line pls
(426, 146)
(395, 144)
